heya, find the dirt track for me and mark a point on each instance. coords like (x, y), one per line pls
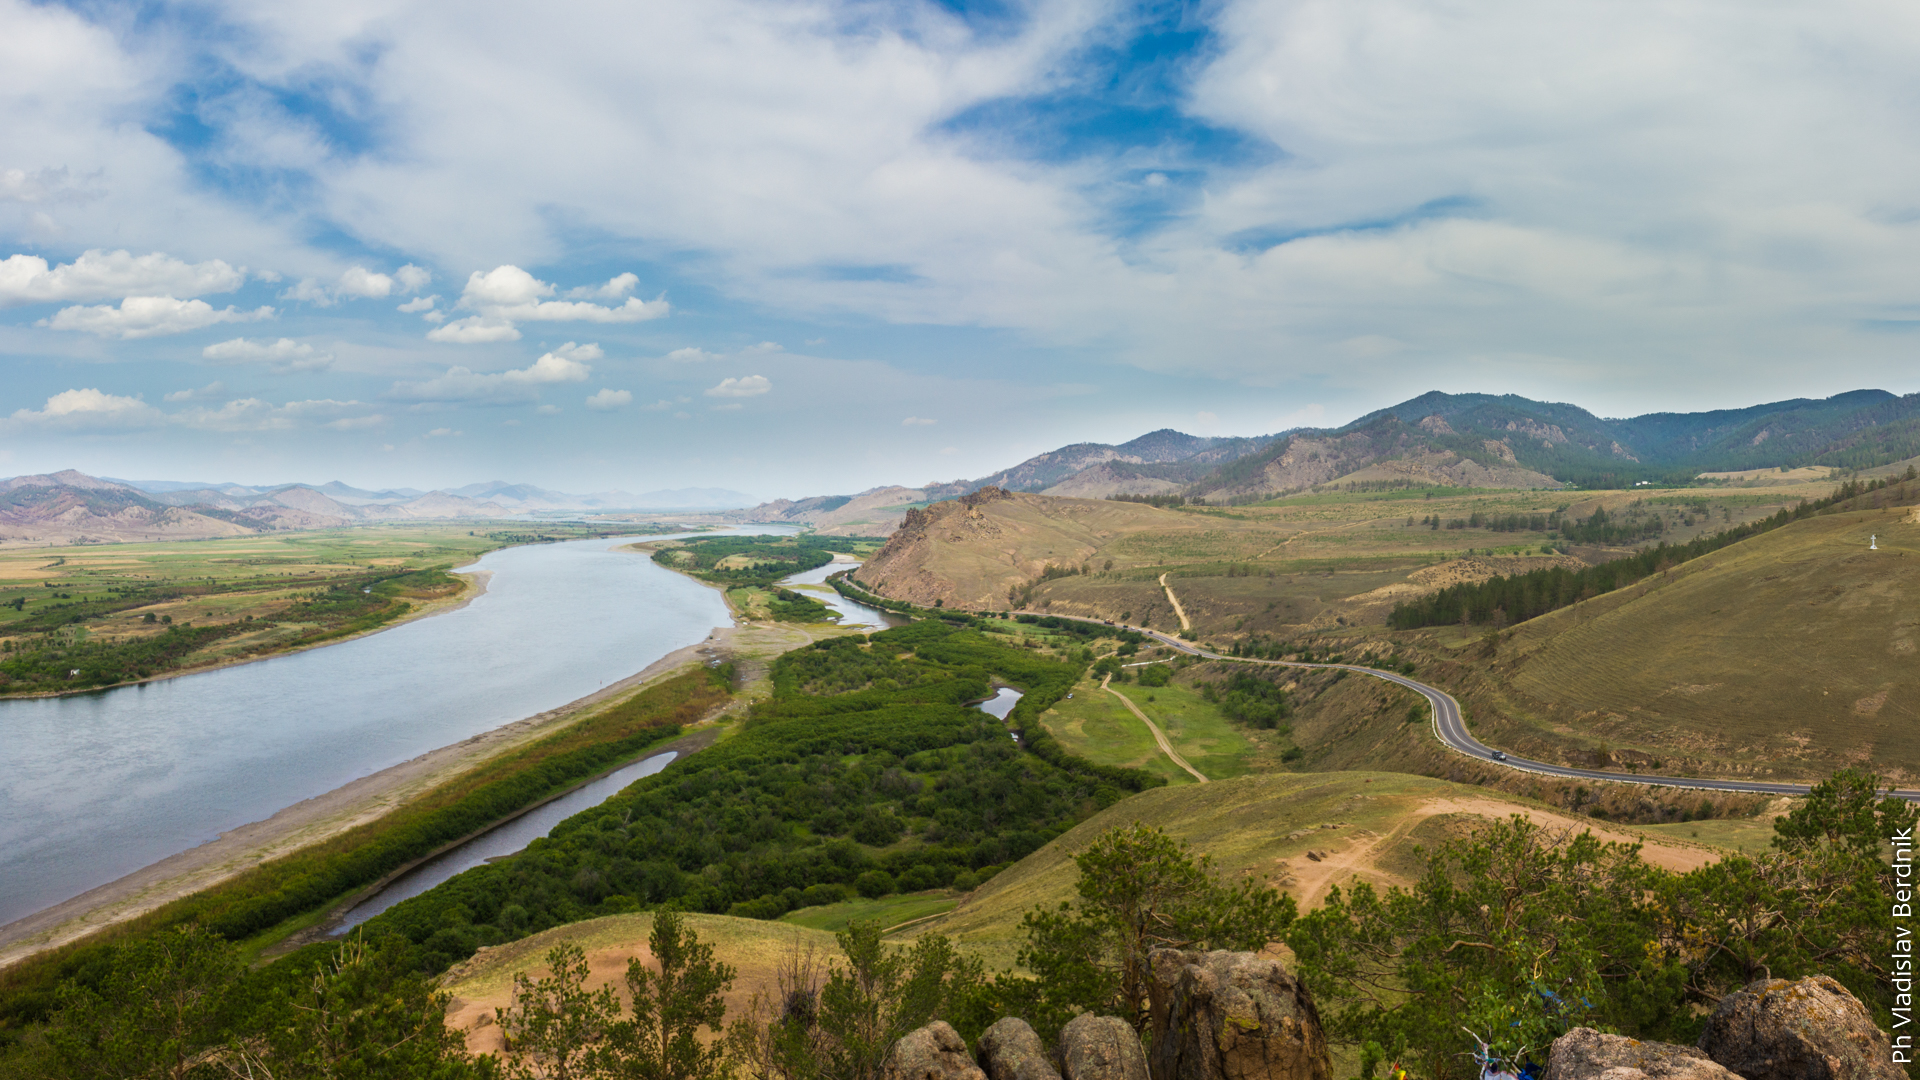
(1158, 735)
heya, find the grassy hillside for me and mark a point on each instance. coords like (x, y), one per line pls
(1792, 653)
(1356, 825)
(1318, 562)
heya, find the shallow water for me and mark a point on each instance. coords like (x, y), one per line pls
(96, 786)
(514, 836)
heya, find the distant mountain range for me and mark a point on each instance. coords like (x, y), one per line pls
(1461, 440)
(72, 507)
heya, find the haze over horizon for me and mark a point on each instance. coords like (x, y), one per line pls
(798, 248)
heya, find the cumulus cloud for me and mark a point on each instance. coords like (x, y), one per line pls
(98, 275)
(284, 356)
(608, 400)
(459, 385)
(89, 408)
(419, 304)
(692, 355)
(507, 294)
(149, 316)
(213, 391)
(359, 283)
(474, 330)
(917, 421)
(614, 289)
(748, 386)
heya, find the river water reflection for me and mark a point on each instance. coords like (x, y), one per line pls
(96, 786)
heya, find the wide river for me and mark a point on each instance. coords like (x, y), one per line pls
(96, 786)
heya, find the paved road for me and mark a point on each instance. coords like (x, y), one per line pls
(1452, 731)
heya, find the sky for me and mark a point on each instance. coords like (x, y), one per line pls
(798, 248)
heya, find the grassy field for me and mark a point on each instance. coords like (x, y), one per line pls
(1217, 746)
(1097, 727)
(888, 911)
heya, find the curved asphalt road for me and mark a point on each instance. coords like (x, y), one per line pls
(1452, 730)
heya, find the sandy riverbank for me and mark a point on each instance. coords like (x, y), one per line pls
(313, 820)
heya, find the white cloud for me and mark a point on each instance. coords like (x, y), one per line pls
(507, 294)
(659, 406)
(474, 330)
(98, 275)
(443, 433)
(917, 421)
(43, 186)
(607, 400)
(568, 363)
(692, 355)
(360, 283)
(149, 316)
(548, 410)
(419, 304)
(749, 386)
(211, 391)
(284, 356)
(254, 414)
(614, 289)
(89, 408)
(413, 278)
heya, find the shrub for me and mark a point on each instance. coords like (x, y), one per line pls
(874, 884)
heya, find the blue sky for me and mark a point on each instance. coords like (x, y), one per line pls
(795, 248)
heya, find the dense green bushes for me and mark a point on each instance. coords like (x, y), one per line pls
(757, 560)
(894, 778)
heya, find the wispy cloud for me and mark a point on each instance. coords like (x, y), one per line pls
(606, 400)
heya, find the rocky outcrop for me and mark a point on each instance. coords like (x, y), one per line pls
(1232, 1016)
(1101, 1048)
(1586, 1054)
(1009, 1050)
(1812, 1029)
(934, 1052)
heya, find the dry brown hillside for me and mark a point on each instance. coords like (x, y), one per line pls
(969, 552)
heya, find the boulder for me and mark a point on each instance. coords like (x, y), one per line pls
(1232, 1016)
(1812, 1029)
(934, 1052)
(1586, 1054)
(1101, 1048)
(1009, 1050)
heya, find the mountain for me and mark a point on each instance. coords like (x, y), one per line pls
(72, 507)
(1157, 462)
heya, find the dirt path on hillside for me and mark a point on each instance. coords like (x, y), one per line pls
(1175, 601)
(1312, 879)
(1158, 735)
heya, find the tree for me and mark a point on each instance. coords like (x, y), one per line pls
(555, 1026)
(364, 1014)
(1515, 931)
(155, 1012)
(670, 1006)
(1139, 890)
(1847, 809)
(844, 1028)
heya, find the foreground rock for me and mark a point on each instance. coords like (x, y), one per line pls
(1586, 1054)
(1812, 1029)
(1101, 1048)
(934, 1052)
(1009, 1050)
(1232, 1016)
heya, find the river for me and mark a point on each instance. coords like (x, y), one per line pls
(96, 786)
(521, 831)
